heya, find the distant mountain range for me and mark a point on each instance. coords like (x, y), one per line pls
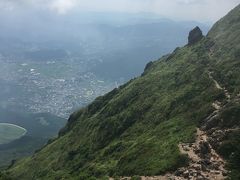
(179, 119)
(118, 50)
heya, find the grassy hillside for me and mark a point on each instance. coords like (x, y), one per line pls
(136, 129)
(19, 148)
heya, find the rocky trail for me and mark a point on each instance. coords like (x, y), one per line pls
(217, 85)
(204, 161)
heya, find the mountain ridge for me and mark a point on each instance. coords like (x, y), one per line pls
(137, 129)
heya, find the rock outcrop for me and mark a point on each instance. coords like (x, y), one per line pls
(194, 36)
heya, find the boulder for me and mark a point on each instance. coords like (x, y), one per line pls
(204, 148)
(179, 172)
(186, 174)
(147, 67)
(200, 178)
(195, 35)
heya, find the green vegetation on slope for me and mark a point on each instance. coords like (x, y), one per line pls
(10, 132)
(226, 65)
(40, 127)
(135, 129)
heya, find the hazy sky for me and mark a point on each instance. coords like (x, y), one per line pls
(200, 10)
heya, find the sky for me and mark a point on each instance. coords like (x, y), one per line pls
(196, 10)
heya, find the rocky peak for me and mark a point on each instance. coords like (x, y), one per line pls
(195, 35)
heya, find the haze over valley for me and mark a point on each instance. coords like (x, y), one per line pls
(108, 86)
(58, 72)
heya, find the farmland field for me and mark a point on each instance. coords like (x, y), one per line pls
(10, 132)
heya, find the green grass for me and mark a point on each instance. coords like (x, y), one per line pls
(135, 129)
(10, 132)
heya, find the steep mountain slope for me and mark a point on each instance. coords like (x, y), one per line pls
(184, 105)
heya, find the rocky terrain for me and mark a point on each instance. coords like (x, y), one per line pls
(204, 161)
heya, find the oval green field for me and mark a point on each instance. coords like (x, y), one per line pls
(10, 132)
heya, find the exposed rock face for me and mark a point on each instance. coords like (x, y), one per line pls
(195, 35)
(147, 67)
